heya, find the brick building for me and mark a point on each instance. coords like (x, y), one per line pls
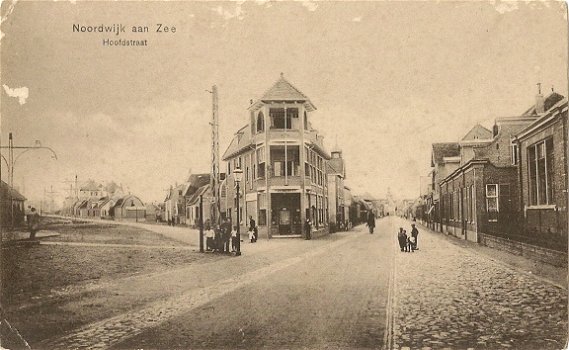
(283, 160)
(484, 194)
(481, 195)
(336, 174)
(542, 157)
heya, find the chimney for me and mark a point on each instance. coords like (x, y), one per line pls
(539, 101)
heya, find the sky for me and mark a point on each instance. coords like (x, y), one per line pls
(388, 79)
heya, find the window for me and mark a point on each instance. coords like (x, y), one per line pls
(260, 122)
(290, 168)
(540, 168)
(277, 169)
(492, 206)
(247, 175)
(305, 121)
(514, 156)
(261, 161)
(229, 168)
(262, 217)
(278, 120)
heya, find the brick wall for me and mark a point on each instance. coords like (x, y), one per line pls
(535, 253)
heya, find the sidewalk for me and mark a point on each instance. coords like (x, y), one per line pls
(459, 295)
(552, 274)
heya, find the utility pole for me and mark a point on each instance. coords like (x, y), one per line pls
(214, 180)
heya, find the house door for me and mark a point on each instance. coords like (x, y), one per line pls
(284, 221)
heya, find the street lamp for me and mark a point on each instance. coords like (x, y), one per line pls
(238, 176)
(12, 162)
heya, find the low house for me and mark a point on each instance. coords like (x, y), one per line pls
(129, 207)
(12, 203)
(541, 151)
(175, 204)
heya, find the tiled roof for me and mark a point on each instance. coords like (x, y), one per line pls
(91, 186)
(17, 196)
(283, 90)
(478, 132)
(446, 149)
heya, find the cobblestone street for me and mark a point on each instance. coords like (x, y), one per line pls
(347, 290)
(446, 296)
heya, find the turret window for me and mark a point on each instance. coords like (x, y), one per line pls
(260, 122)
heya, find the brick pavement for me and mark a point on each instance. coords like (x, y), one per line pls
(445, 296)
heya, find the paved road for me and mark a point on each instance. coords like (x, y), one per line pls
(330, 292)
(349, 290)
(335, 298)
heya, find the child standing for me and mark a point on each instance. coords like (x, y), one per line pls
(209, 237)
(234, 239)
(251, 235)
(402, 238)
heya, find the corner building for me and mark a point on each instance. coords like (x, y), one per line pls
(284, 161)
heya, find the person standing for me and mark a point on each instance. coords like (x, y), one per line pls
(234, 239)
(370, 221)
(253, 226)
(415, 234)
(308, 229)
(402, 238)
(226, 235)
(210, 236)
(34, 222)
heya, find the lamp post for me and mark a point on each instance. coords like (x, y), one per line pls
(12, 162)
(238, 176)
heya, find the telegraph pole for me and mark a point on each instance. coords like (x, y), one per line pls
(214, 180)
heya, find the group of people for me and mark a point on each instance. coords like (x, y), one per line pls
(218, 238)
(408, 243)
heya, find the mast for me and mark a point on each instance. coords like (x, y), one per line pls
(214, 180)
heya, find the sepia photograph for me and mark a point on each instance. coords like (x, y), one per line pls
(284, 174)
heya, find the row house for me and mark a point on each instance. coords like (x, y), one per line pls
(336, 174)
(482, 195)
(445, 158)
(284, 161)
(181, 205)
(542, 158)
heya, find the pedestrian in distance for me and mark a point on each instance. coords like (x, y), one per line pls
(370, 221)
(415, 234)
(402, 239)
(34, 223)
(308, 229)
(234, 239)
